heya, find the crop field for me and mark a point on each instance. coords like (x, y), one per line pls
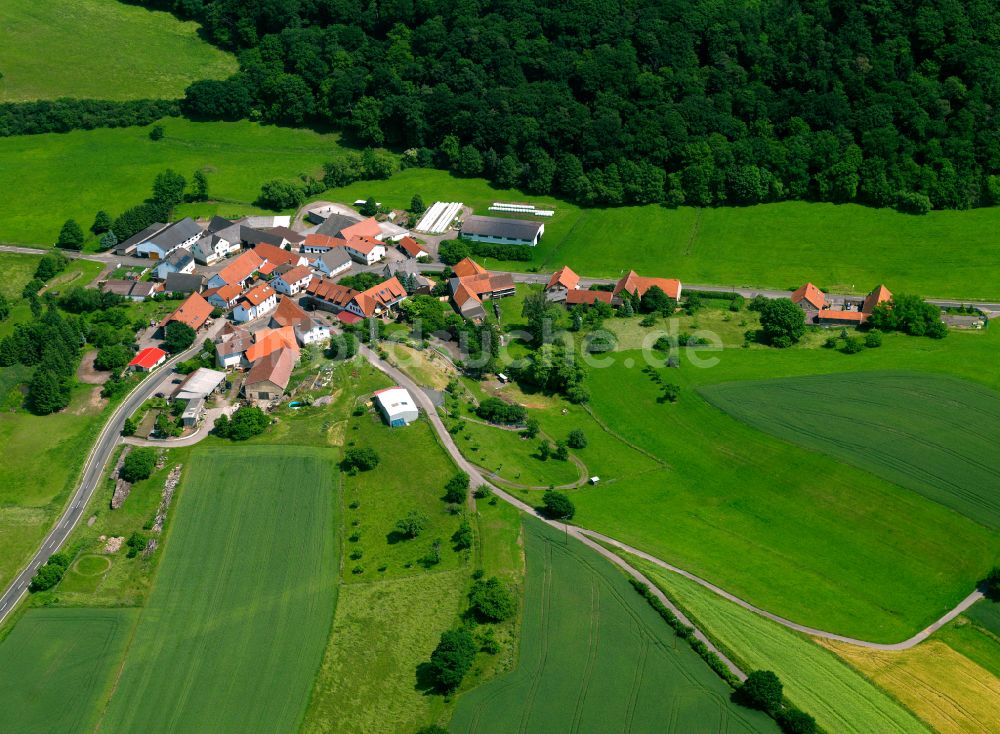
(977, 643)
(934, 435)
(40, 174)
(100, 49)
(57, 665)
(814, 679)
(235, 626)
(851, 553)
(986, 614)
(596, 657)
(944, 688)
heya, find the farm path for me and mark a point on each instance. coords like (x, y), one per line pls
(171, 443)
(594, 540)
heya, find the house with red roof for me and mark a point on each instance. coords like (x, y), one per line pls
(194, 312)
(365, 228)
(292, 281)
(255, 302)
(471, 284)
(239, 272)
(638, 285)
(307, 329)
(317, 244)
(269, 376)
(411, 248)
(809, 298)
(225, 297)
(365, 250)
(562, 282)
(587, 298)
(148, 359)
(329, 296)
(377, 300)
(276, 256)
(859, 313)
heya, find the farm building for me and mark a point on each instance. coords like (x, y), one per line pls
(134, 290)
(332, 262)
(503, 231)
(587, 298)
(185, 283)
(638, 285)
(810, 299)
(230, 346)
(411, 248)
(148, 359)
(194, 312)
(561, 283)
(307, 330)
(293, 280)
(269, 376)
(256, 302)
(161, 243)
(179, 261)
(854, 314)
(192, 412)
(396, 406)
(200, 384)
(238, 272)
(473, 284)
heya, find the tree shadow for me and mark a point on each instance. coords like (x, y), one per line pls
(424, 680)
(394, 536)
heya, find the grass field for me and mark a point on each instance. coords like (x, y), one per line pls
(57, 664)
(934, 435)
(513, 458)
(596, 657)
(101, 49)
(845, 248)
(966, 637)
(944, 688)
(18, 270)
(246, 589)
(815, 680)
(40, 173)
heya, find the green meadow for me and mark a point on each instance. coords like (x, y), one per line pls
(596, 657)
(56, 665)
(101, 49)
(247, 586)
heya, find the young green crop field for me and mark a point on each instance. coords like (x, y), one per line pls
(234, 629)
(41, 175)
(932, 434)
(56, 665)
(101, 49)
(815, 680)
(596, 657)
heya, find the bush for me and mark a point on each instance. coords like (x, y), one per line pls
(761, 690)
(280, 195)
(138, 465)
(576, 439)
(156, 132)
(492, 601)
(463, 537)
(852, 345)
(129, 426)
(112, 358)
(457, 488)
(245, 423)
(177, 337)
(561, 451)
(557, 505)
(50, 573)
(359, 459)
(496, 410)
(412, 525)
(452, 658)
(531, 428)
(136, 543)
(991, 584)
(873, 339)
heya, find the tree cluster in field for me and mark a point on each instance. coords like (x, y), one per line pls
(371, 165)
(51, 343)
(246, 422)
(177, 337)
(885, 104)
(359, 459)
(135, 544)
(64, 114)
(909, 314)
(138, 465)
(782, 322)
(50, 573)
(453, 251)
(48, 267)
(495, 410)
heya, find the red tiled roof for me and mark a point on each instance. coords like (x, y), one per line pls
(275, 368)
(465, 268)
(879, 294)
(229, 292)
(296, 274)
(365, 228)
(835, 315)
(194, 312)
(276, 256)
(411, 247)
(811, 294)
(587, 297)
(241, 268)
(148, 358)
(327, 290)
(564, 277)
(364, 245)
(384, 294)
(637, 284)
(348, 318)
(289, 313)
(322, 240)
(258, 294)
(271, 340)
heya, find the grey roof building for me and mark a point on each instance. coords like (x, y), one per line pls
(184, 283)
(128, 246)
(251, 237)
(333, 225)
(502, 230)
(176, 234)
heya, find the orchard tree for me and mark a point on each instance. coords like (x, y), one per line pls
(456, 491)
(412, 525)
(557, 505)
(178, 336)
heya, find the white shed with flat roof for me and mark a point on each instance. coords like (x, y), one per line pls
(396, 406)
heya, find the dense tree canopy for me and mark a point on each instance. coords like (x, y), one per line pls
(639, 101)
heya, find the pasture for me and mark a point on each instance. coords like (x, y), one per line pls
(247, 585)
(513, 458)
(57, 665)
(947, 690)
(596, 657)
(100, 49)
(37, 170)
(931, 434)
(815, 680)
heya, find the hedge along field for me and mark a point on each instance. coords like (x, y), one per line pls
(932, 434)
(101, 49)
(57, 665)
(235, 626)
(815, 680)
(49, 178)
(596, 657)
(796, 532)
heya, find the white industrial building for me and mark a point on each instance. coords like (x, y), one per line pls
(396, 406)
(502, 231)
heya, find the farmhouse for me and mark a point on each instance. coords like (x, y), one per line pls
(638, 285)
(276, 256)
(268, 341)
(396, 406)
(307, 330)
(334, 223)
(161, 243)
(225, 297)
(269, 376)
(855, 314)
(501, 230)
(317, 244)
(134, 290)
(562, 282)
(378, 299)
(210, 248)
(238, 272)
(289, 236)
(365, 228)
(332, 262)
(473, 283)
(185, 283)
(148, 359)
(178, 261)
(293, 280)
(810, 299)
(251, 237)
(587, 298)
(256, 302)
(194, 312)
(411, 248)
(330, 296)
(128, 246)
(365, 250)
(231, 344)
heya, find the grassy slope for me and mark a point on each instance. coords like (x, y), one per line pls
(845, 247)
(56, 663)
(928, 433)
(40, 174)
(816, 681)
(101, 49)
(595, 657)
(850, 553)
(252, 557)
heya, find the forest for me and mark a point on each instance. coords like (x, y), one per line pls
(697, 102)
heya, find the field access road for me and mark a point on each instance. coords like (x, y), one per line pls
(595, 540)
(93, 468)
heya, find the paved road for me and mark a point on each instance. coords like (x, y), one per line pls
(90, 479)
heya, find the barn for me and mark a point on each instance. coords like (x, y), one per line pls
(396, 406)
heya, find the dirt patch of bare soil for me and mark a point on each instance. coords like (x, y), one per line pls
(86, 373)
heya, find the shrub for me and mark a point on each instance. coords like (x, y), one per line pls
(531, 428)
(491, 600)
(576, 439)
(46, 576)
(156, 132)
(136, 543)
(482, 492)
(360, 459)
(457, 488)
(177, 337)
(852, 345)
(496, 410)
(462, 538)
(412, 525)
(489, 643)
(245, 423)
(112, 358)
(452, 658)
(129, 426)
(992, 584)
(557, 505)
(873, 339)
(761, 690)
(70, 236)
(138, 465)
(793, 721)
(562, 451)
